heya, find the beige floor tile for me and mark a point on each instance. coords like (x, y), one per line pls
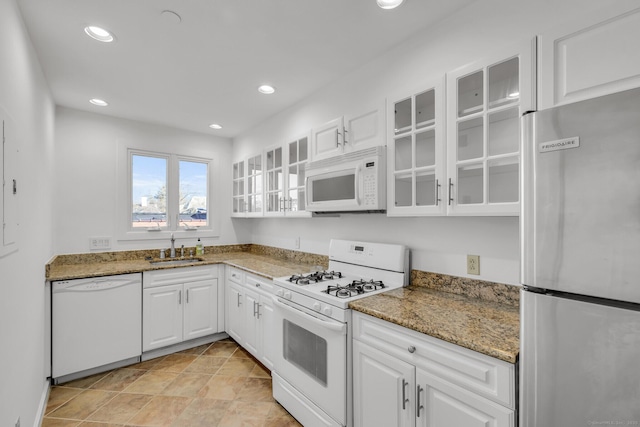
(206, 365)
(237, 367)
(250, 409)
(195, 350)
(231, 420)
(119, 379)
(121, 408)
(174, 363)
(260, 372)
(222, 387)
(83, 405)
(287, 421)
(147, 364)
(59, 396)
(153, 382)
(256, 390)
(241, 352)
(187, 385)
(99, 424)
(161, 411)
(85, 382)
(221, 349)
(202, 413)
(57, 422)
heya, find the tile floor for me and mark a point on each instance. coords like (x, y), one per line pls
(216, 385)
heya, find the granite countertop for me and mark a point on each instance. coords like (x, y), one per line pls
(260, 262)
(489, 326)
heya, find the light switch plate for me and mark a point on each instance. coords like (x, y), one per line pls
(473, 264)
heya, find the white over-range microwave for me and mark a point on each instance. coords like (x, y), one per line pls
(352, 182)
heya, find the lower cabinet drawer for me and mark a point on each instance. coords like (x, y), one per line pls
(482, 374)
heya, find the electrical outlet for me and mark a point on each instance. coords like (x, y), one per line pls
(473, 264)
(99, 243)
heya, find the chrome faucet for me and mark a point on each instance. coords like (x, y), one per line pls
(173, 247)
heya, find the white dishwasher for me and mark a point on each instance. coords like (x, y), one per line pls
(96, 325)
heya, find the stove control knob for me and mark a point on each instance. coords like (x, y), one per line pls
(287, 295)
(316, 306)
(280, 292)
(327, 311)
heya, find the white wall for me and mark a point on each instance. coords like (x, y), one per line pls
(90, 171)
(438, 244)
(25, 96)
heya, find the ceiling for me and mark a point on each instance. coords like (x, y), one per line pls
(207, 67)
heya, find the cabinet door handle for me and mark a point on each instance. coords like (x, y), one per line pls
(187, 297)
(179, 297)
(255, 310)
(239, 302)
(418, 405)
(404, 394)
(344, 140)
(258, 310)
(450, 191)
(437, 193)
(338, 138)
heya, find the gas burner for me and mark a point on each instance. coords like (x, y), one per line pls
(305, 279)
(329, 275)
(356, 287)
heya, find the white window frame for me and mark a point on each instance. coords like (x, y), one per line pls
(125, 231)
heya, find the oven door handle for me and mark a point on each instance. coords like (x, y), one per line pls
(334, 326)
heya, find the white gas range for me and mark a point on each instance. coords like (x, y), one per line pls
(312, 366)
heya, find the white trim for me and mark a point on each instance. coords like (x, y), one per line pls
(42, 406)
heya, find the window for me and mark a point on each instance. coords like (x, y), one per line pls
(168, 192)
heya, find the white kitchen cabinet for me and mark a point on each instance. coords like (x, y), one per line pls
(285, 171)
(352, 132)
(179, 304)
(250, 314)
(248, 189)
(485, 101)
(591, 56)
(417, 152)
(411, 379)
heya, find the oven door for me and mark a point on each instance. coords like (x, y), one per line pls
(335, 188)
(311, 355)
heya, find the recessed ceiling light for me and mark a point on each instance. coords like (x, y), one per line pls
(389, 4)
(99, 34)
(99, 102)
(266, 89)
(215, 126)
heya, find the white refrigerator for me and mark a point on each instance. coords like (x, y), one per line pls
(580, 239)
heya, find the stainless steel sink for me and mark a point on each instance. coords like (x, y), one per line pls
(178, 261)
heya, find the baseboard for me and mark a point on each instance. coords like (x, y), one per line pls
(185, 345)
(42, 406)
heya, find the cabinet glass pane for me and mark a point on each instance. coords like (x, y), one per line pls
(296, 176)
(250, 184)
(470, 184)
(426, 189)
(251, 166)
(236, 189)
(302, 148)
(403, 116)
(235, 171)
(278, 158)
(503, 83)
(297, 199)
(504, 132)
(470, 139)
(270, 155)
(272, 203)
(403, 189)
(425, 108)
(503, 175)
(470, 94)
(293, 152)
(403, 153)
(426, 148)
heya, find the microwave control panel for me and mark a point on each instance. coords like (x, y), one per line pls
(369, 178)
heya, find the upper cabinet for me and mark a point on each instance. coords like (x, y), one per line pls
(484, 103)
(247, 187)
(590, 57)
(349, 133)
(416, 152)
(285, 178)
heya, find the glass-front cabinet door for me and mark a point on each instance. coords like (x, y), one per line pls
(486, 101)
(416, 152)
(254, 185)
(275, 181)
(298, 157)
(239, 202)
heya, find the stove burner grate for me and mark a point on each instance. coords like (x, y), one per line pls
(318, 276)
(356, 287)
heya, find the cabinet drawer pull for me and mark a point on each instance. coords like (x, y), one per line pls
(450, 191)
(404, 394)
(411, 349)
(418, 405)
(179, 297)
